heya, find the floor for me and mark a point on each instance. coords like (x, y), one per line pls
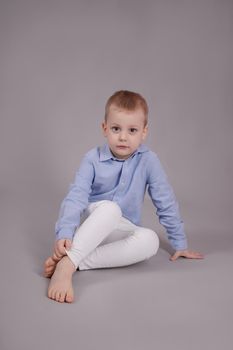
(155, 304)
(60, 61)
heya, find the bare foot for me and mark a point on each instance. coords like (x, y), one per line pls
(50, 265)
(60, 287)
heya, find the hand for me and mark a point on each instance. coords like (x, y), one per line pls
(60, 246)
(186, 254)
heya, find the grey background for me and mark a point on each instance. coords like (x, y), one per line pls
(60, 61)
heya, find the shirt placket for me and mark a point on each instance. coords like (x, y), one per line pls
(122, 183)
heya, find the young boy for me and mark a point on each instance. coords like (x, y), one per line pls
(99, 220)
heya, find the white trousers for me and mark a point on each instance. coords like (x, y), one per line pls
(106, 239)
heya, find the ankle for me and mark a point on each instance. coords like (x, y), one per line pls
(67, 264)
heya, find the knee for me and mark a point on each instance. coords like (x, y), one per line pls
(150, 241)
(111, 208)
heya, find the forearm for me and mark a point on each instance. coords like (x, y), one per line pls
(176, 236)
(69, 220)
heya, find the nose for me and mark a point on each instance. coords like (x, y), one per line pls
(122, 136)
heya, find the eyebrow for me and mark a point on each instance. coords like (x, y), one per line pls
(130, 126)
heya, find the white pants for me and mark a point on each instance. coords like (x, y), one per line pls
(106, 239)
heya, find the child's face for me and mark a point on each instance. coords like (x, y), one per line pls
(125, 131)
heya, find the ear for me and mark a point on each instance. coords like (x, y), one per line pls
(104, 128)
(145, 132)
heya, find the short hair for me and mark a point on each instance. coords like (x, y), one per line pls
(127, 100)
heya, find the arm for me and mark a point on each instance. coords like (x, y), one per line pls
(164, 200)
(75, 201)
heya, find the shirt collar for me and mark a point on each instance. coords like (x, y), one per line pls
(106, 154)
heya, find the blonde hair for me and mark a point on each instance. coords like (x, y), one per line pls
(127, 100)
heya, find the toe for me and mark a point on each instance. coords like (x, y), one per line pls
(49, 268)
(55, 259)
(48, 272)
(62, 297)
(59, 299)
(50, 293)
(53, 294)
(49, 262)
(57, 295)
(69, 297)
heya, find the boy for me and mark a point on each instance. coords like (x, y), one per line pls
(107, 197)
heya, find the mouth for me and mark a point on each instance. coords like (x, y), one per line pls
(122, 147)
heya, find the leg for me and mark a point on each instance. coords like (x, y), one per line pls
(104, 218)
(135, 247)
(95, 226)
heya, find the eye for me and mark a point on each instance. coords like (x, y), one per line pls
(133, 130)
(115, 129)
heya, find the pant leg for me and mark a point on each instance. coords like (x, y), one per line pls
(103, 217)
(126, 245)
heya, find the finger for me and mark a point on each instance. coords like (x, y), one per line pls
(199, 255)
(68, 244)
(58, 252)
(196, 255)
(56, 249)
(175, 256)
(61, 247)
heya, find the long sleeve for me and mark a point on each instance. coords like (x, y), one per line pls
(76, 201)
(164, 200)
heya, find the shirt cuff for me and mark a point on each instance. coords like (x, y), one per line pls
(179, 245)
(64, 233)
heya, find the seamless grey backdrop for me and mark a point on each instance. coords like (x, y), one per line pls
(60, 61)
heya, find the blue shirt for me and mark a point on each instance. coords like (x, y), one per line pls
(103, 176)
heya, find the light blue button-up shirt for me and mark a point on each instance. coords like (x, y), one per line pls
(103, 176)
